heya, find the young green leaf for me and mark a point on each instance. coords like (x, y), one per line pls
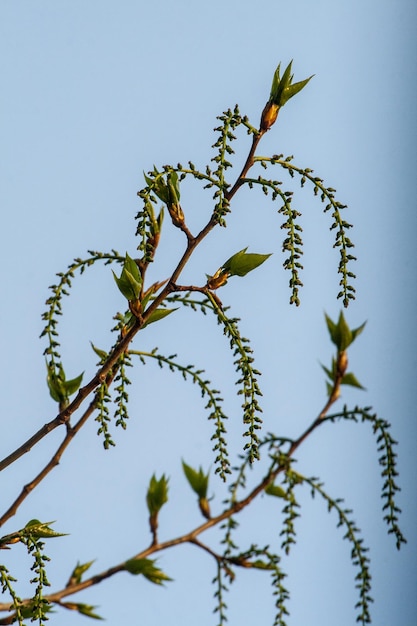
(283, 89)
(157, 315)
(40, 530)
(61, 389)
(147, 568)
(242, 262)
(56, 382)
(83, 609)
(102, 354)
(350, 379)
(87, 610)
(130, 281)
(157, 494)
(197, 480)
(174, 187)
(71, 386)
(340, 334)
(78, 572)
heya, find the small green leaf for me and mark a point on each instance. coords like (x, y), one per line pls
(88, 610)
(158, 186)
(357, 331)
(157, 315)
(102, 354)
(147, 568)
(160, 219)
(157, 494)
(283, 89)
(174, 188)
(71, 386)
(59, 388)
(41, 530)
(350, 379)
(241, 263)
(331, 374)
(197, 480)
(55, 383)
(292, 90)
(83, 609)
(130, 281)
(78, 572)
(131, 266)
(275, 83)
(340, 334)
(148, 180)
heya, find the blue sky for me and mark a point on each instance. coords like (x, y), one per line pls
(96, 92)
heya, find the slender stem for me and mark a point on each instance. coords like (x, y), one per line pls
(248, 164)
(70, 434)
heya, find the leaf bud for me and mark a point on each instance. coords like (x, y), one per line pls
(342, 363)
(269, 115)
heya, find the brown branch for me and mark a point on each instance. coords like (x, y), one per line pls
(248, 164)
(70, 434)
(190, 537)
(192, 242)
(64, 416)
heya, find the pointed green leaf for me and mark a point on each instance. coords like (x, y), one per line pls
(147, 568)
(283, 88)
(340, 333)
(197, 480)
(241, 263)
(160, 219)
(331, 326)
(55, 385)
(102, 354)
(124, 287)
(132, 284)
(132, 267)
(157, 494)
(78, 572)
(174, 187)
(71, 386)
(350, 379)
(329, 373)
(130, 281)
(275, 82)
(357, 331)
(158, 314)
(88, 610)
(159, 187)
(41, 530)
(344, 333)
(292, 90)
(286, 77)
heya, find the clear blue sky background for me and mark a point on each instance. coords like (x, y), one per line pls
(95, 92)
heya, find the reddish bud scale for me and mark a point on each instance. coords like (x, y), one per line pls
(218, 280)
(204, 507)
(342, 362)
(269, 115)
